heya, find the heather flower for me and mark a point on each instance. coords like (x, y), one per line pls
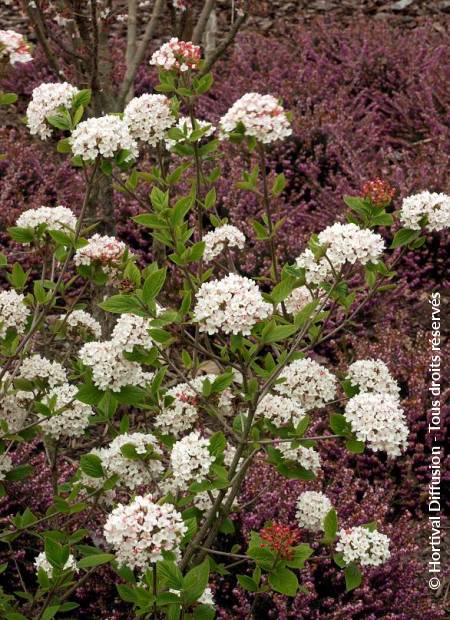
(190, 460)
(102, 137)
(307, 458)
(280, 539)
(84, 320)
(184, 124)
(262, 116)
(53, 218)
(71, 416)
(232, 305)
(41, 562)
(280, 410)
(45, 101)
(6, 465)
(311, 384)
(148, 117)
(360, 545)
(177, 55)
(13, 312)
(14, 47)
(140, 531)
(312, 508)
(378, 419)
(217, 240)
(372, 376)
(432, 206)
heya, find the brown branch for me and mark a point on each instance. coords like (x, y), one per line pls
(224, 44)
(131, 39)
(38, 25)
(202, 21)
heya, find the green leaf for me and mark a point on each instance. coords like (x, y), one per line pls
(355, 446)
(83, 97)
(403, 237)
(300, 554)
(203, 84)
(19, 473)
(262, 556)
(353, 577)
(89, 394)
(120, 304)
(95, 559)
(330, 526)
(50, 612)
(22, 235)
(170, 572)
(217, 443)
(247, 583)
(91, 464)
(279, 184)
(339, 424)
(195, 582)
(153, 284)
(280, 332)
(7, 98)
(204, 612)
(284, 581)
(59, 121)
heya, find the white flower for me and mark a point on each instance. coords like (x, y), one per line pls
(307, 458)
(372, 376)
(378, 419)
(14, 45)
(148, 117)
(131, 331)
(177, 56)
(13, 410)
(280, 410)
(72, 417)
(54, 218)
(41, 561)
(262, 116)
(360, 545)
(106, 251)
(140, 531)
(435, 206)
(298, 299)
(232, 305)
(316, 271)
(13, 312)
(185, 125)
(102, 137)
(206, 598)
(45, 101)
(308, 382)
(217, 240)
(190, 460)
(6, 465)
(81, 318)
(312, 508)
(38, 367)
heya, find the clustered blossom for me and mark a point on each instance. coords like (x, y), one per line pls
(217, 240)
(14, 46)
(132, 472)
(103, 137)
(110, 370)
(81, 318)
(41, 562)
(140, 531)
(378, 419)
(261, 115)
(360, 545)
(131, 331)
(148, 117)
(177, 55)
(280, 410)
(280, 539)
(298, 299)
(434, 206)
(378, 191)
(184, 124)
(311, 384)
(45, 101)
(54, 218)
(106, 251)
(13, 312)
(71, 417)
(344, 243)
(232, 305)
(372, 376)
(190, 460)
(37, 367)
(6, 465)
(307, 458)
(312, 508)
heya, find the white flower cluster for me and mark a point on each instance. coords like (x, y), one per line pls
(435, 206)
(5, 465)
(280, 410)
(14, 45)
(360, 545)
(308, 382)
(305, 457)
(132, 473)
(378, 419)
(106, 251)
(148, 117)
(110, 370)
(72, 416)
(131, 331)
(84, 320)
(102, 137)
(185, 124)
(143, 529)
(232, 305)
(54, 218)
(372, 376)
(13, 312)
(38, 367)
(45, 101)
(298, 299)
(190, 460)
(217, 240)
(312, 508)
(177, 55)
(41, 561)
(345, 243)
(13, 410)
(262, 116)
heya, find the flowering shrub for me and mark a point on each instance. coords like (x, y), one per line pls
(205, 371)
